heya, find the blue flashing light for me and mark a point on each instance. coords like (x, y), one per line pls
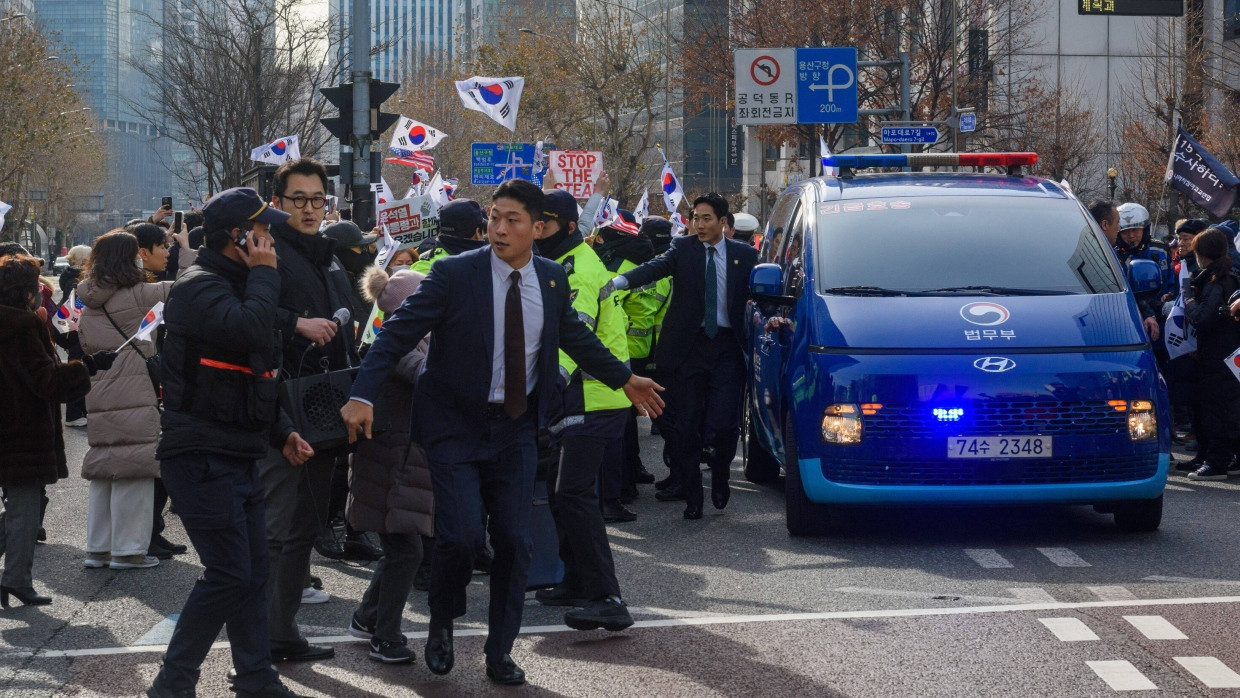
(863, 161)
(948, 415)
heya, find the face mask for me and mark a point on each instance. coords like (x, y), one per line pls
(398, 267)
(138, 260)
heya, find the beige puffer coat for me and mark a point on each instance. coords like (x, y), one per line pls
(123, 422)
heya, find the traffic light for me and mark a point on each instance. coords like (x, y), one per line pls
(341, 97)
(381, 121)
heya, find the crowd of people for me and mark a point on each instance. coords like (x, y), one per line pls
(517, 350)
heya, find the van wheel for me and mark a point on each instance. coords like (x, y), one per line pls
(760, 466)
(1139, 515)
(805, 518)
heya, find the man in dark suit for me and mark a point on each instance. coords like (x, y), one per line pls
(702, 346)
(498, 315)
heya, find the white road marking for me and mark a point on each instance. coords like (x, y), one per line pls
(1063, 557)
(616, 547)
(930, 595)
(1179, 488)
(161, 633)
(1156, 627)
(716, 620)
(1032, 595)
(1122, 676)
(617, 533)
(1069, 629)
(988, 558)
(1210, 671)
(1112, 593)
(1192, 580)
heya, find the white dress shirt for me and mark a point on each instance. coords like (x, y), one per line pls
(721, 281)
(531, 313)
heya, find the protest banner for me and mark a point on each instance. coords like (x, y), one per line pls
(410, 221)
(577, 171)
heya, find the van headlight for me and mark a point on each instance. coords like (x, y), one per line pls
(1142, 420)
(841, 424)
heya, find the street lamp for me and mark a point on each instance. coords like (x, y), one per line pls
(66, 113)
(527, 30)
(1112, 173)
(19, 15)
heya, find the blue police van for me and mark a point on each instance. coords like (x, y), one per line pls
(950, 337)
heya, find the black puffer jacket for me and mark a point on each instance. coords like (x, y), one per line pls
(225, 313)
(1217, 334)
(390, 479)
(313, 284)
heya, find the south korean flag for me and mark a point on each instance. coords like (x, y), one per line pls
(415, 135)
(498, 98)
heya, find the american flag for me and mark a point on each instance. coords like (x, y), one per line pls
(413, 158)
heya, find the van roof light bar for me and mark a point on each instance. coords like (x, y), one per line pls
(1012, 161)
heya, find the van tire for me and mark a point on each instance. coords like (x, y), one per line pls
(805, 518)
(760, 467)
(1139, 515)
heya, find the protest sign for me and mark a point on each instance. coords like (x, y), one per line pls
(1197, 174)
(577, 171)
(410, 221)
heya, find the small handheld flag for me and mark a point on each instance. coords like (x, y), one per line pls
(672, 193)
(679, 226)
(277, 152)
(1179, 336)
(4, 208)
(63, 320)
(498, 98)
(150, 322)
(415, 135)
(828, 167)
(643, 207)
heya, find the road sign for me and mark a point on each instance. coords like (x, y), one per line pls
(968, 122)
(826, 85)
(493, 163)
(910, 135)
(766, 86)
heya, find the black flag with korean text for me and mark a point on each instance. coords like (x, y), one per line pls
(1197, 174)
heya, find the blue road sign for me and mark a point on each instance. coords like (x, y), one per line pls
(826, 85)
(492, 163)
(910, 135)
(968, 122)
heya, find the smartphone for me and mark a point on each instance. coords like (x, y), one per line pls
(178, 222)
(166, 203)
(243, 240)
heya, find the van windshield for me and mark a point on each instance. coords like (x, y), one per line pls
(949, 245)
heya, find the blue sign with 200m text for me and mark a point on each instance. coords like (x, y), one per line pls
(826, 85)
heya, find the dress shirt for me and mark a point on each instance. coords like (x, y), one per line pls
(721, 280)
(531, 312)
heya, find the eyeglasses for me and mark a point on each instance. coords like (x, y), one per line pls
(300, 201)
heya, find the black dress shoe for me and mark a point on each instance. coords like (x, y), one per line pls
(720, 493)
(560, 595)
(158, 540)
(483, 560)
(671, 494)
(159, 552)
(504, 671)
(643, 477)
(693, 513)
(439, 654)
(664, 483)
(615, 512)
(27, 596)
(301, 653)
(275, 689)
(605, 613)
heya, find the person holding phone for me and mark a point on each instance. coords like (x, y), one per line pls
(221, 343)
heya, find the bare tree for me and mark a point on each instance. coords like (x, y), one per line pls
(233, 75)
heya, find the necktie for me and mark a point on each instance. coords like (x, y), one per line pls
(711, 321)
(514, 350)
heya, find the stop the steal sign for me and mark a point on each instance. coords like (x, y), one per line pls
(576, 171)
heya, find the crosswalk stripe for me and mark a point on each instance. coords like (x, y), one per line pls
(1210, 671)
(1122, 676)
(1063, 557)
(1156, 627)
(1069, 629)
(988, 558)
(1112, 593)
(1032, 594)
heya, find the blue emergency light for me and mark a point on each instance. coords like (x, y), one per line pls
(948, 415)
(857, 162)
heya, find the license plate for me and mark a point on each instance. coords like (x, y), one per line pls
(999, 447)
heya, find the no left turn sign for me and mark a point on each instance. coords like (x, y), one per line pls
(764, 70)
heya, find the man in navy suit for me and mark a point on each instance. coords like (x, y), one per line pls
(702, 346)
(498, 316)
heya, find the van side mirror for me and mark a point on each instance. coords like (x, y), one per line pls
(1144, 275)
(766, 284)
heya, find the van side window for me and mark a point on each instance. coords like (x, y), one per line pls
(794, 275)
(781, 217)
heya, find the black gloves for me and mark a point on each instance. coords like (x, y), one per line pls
(99, 361)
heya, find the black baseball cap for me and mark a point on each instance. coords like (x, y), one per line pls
(561, 206)
(347, 234)
(237, 206)
(462, 218)
(659, 231)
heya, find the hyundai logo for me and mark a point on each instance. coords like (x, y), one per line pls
(985, 314)
(994, 364)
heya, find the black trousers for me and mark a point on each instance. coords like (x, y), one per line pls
(584, 548)
(708, 392)
(221, 504)
(383, 604)
(503, 484)
(1218, 415)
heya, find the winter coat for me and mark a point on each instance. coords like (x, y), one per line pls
(33, 384)
(124, 415)
(313, 284)
(390, 478)
(1217, 334)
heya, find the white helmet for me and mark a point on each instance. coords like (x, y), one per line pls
(745, 223)
(1133, 216)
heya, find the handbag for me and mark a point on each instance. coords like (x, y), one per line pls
(153, 362)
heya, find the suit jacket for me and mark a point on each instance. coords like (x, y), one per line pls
(455, 302)
(685, 262)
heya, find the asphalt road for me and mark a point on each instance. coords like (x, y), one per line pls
(896, 602)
